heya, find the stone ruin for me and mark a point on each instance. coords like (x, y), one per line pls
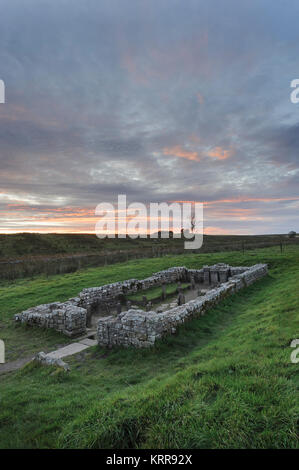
(136, 327)
(67, 317)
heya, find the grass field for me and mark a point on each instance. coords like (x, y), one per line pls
(224, 381)
(27, 255)
(36, 244)
(155, 293)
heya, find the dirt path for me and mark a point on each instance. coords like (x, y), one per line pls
(69, 350)
(14, 365)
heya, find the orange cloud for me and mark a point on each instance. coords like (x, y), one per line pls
(220, 153)
(221, 231)
(230, 213)
(216, 231)
(178, 151)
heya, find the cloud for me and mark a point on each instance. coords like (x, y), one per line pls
(180, 152)
(220, 153)
(158, 101)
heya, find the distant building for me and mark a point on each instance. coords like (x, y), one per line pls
(292, 234)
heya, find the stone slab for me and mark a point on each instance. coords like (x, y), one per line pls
(89, 342)
(69, 350)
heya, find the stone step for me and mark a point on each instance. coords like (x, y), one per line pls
(69, 350)
(89, 333)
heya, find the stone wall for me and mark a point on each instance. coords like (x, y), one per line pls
(110, 293)
(141, 329)
(65, 317)
(71, 317)
(137, 328)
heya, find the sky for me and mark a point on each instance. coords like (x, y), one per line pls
(173, 100)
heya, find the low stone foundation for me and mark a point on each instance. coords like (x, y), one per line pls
(110, 294)
(141, 329)
(136, 327)
(65, 317)
(70, 318)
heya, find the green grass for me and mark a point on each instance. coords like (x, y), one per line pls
(28, 255)
(33, 244)
(225, 380)
(22, 294)
(155, 293)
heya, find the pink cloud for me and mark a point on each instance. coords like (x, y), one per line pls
(179, 151)
(219, 153)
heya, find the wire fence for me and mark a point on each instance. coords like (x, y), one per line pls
(61, 264)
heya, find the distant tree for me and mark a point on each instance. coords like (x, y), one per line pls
(192, 223)
(292, 234)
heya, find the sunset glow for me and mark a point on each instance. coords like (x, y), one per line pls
(149, 108)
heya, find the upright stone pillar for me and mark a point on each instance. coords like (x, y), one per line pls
(223, 275)
(118, 308)
(181, 299)
(206, 275)
(214, 277)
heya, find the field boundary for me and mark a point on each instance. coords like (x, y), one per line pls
(31, 266)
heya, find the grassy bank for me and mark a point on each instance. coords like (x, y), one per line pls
(225, 380)
(37, 244)
(28, 255)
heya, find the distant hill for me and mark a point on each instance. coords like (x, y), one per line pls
(35, 244)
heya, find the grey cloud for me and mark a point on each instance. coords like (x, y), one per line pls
(96, 91)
